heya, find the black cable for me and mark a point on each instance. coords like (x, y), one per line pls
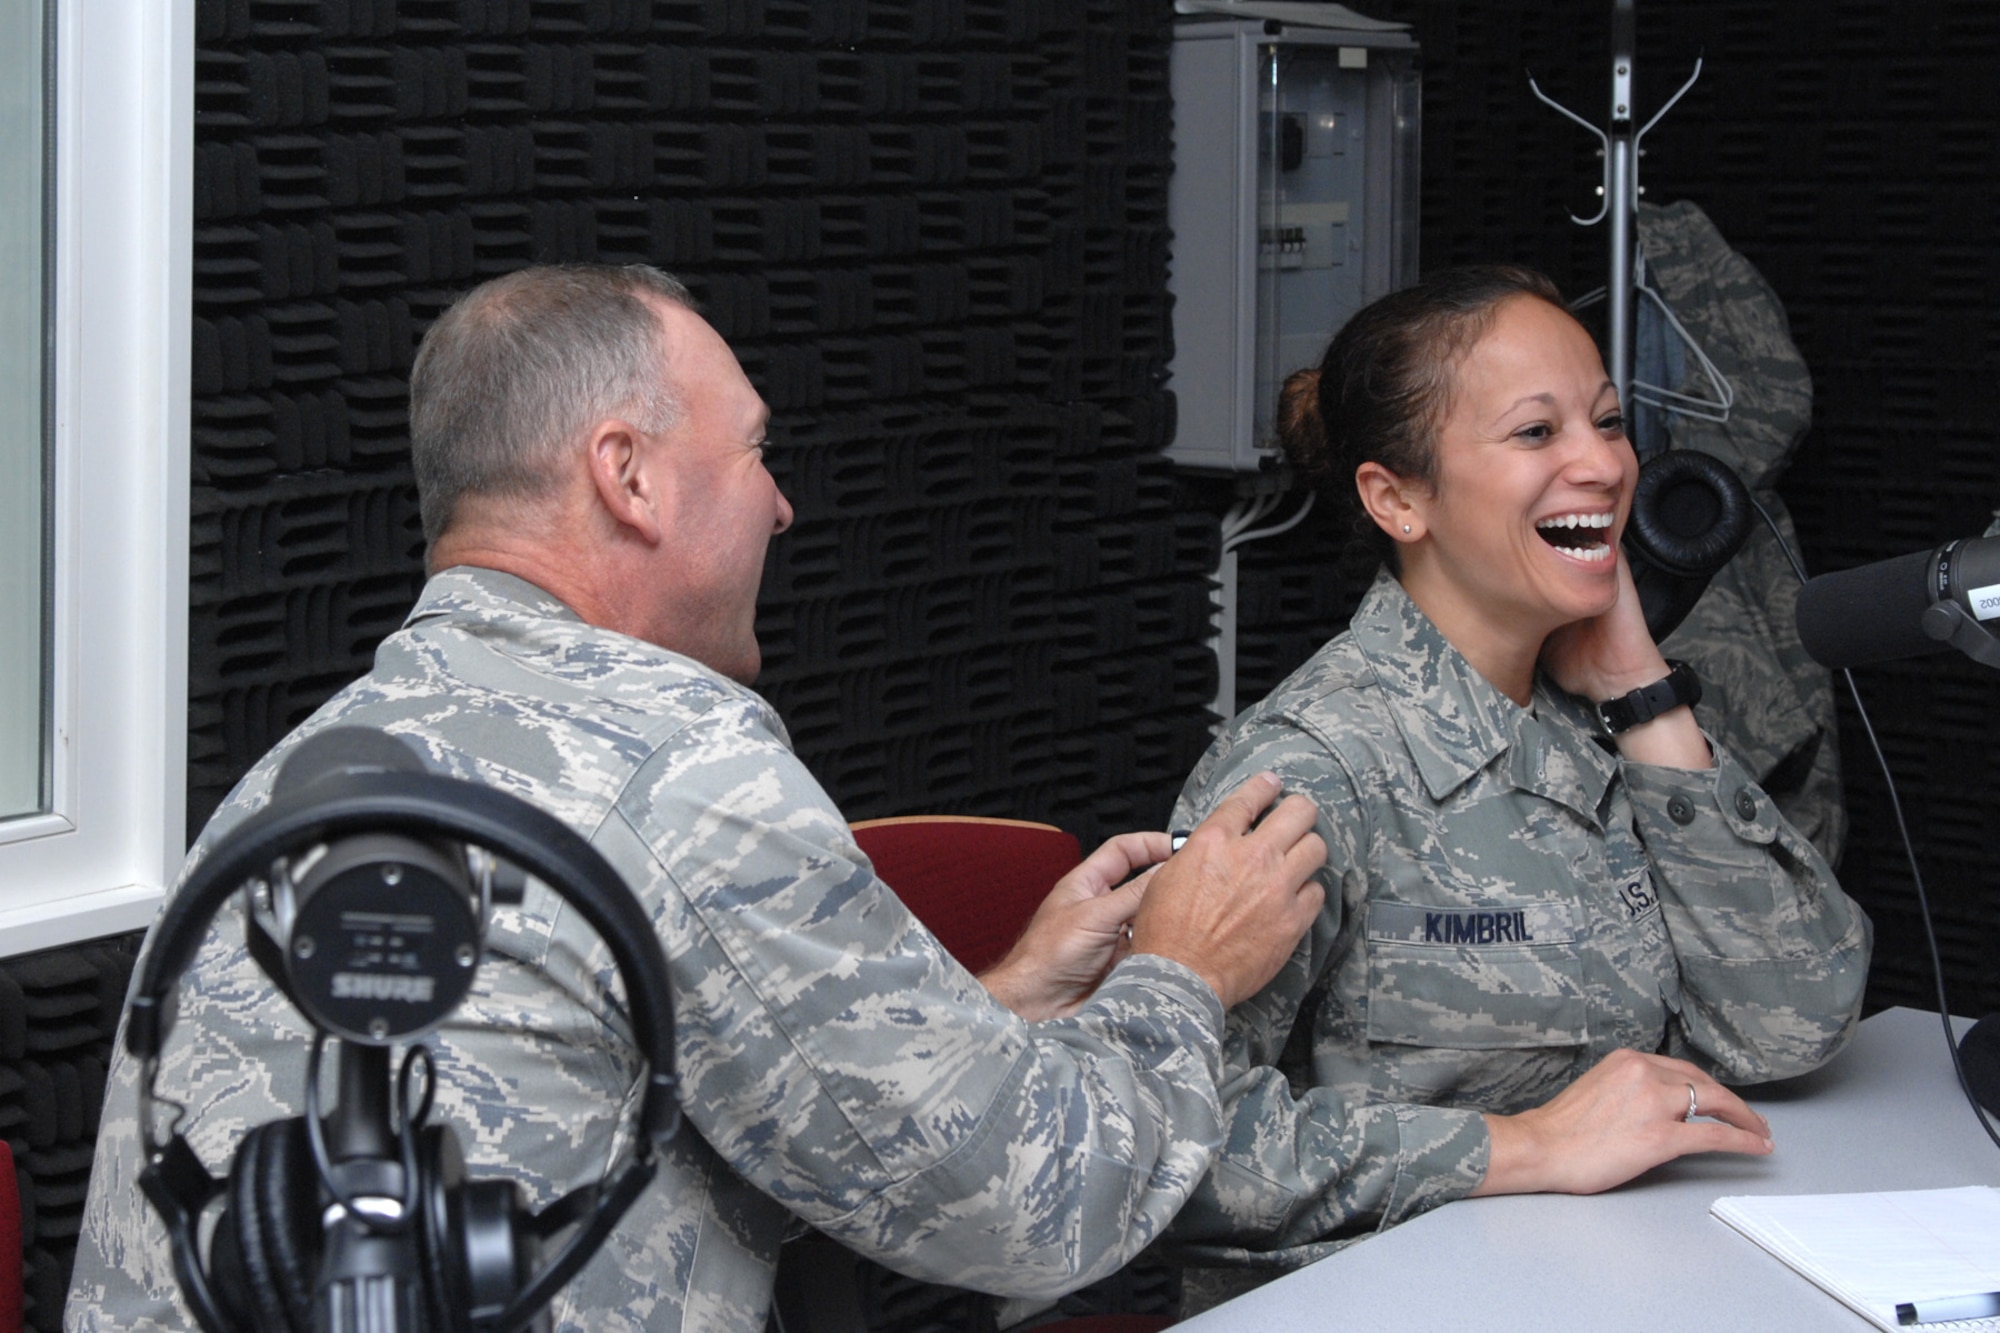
(1909, 851)
(412, 1121)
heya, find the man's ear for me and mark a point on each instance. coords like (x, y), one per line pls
(628, 478)
(1395, 505)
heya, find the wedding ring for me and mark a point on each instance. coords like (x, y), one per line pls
(1693, 1110)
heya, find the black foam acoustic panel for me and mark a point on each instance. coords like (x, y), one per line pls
(935, 233)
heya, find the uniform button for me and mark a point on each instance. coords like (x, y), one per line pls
(1746, 804)
(1681, 810)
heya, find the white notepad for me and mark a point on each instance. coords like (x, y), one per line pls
(1871, 1251)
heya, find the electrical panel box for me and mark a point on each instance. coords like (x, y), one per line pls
(1293, 204)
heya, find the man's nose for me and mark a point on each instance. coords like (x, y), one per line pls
(783, 518)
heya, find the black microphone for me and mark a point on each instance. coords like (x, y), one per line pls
(373, 1276)
(376, 936)
(1910, 606)
(1979, 1056)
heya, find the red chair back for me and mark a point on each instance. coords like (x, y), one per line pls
(12, 1258)
(975, 882)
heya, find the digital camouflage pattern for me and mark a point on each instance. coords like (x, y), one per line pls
(836, 1066)
(1507, 902)
(1767, 701)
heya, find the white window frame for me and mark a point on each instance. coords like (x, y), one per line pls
(100, 861)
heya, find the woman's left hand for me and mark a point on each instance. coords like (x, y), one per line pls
(1613, 654)
(1609, 654)
(1628, 1114)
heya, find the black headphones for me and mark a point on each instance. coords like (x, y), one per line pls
(325, 1217)
(1691, 513)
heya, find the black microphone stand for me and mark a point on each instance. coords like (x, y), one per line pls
(370, 1278)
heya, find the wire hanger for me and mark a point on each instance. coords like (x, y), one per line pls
(1714, 408)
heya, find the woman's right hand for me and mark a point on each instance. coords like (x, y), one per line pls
(1626, 1116)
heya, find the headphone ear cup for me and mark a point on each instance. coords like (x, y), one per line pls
(265, 1252)
(501, 1250)
(1690, 515)
(440, 1176)
(476, 1237)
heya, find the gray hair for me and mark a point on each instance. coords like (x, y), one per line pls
(510, 378)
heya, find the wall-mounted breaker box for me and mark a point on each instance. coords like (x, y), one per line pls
(1293, 204)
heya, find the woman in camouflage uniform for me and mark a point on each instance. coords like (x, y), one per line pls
(1553, 931)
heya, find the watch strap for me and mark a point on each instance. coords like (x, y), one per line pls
(1679, 686)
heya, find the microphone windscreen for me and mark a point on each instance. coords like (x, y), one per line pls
(1979, 1055)
(1872, 613)
(343, 750)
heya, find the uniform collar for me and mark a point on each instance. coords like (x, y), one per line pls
(487, 594)
(497, 606)
(1454, 722)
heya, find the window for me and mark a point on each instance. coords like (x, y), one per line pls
(96, 114)
(24, 528)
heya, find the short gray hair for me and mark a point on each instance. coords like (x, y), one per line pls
(512, 375)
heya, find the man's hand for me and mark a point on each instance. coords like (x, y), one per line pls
(1079, 931)
(1625, 1116)
(1235, 899)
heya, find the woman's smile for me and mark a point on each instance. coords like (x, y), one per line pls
(1581, 537)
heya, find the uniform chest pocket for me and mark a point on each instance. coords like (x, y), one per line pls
(1501, 977)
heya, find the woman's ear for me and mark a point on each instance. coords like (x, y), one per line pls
(1394, 504)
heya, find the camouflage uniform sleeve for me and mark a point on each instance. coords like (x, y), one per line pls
(1773, 955)
(1297, 1170)
(123, 1278)
(838, 1059)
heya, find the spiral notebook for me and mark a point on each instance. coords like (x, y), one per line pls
(1873, 1251)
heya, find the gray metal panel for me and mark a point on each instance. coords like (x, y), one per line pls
(1260, 281)
(1210, 213)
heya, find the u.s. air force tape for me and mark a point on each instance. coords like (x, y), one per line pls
(1458, 927)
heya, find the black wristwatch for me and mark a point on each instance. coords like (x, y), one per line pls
(1679, 686)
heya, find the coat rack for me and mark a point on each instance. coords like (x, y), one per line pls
(1621, 150)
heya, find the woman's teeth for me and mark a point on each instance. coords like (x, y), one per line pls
(1579, 536)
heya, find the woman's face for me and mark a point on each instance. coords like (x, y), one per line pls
(1533, 481)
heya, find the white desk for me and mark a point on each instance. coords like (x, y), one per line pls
(1886, 1114)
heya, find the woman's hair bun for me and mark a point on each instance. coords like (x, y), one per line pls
(1301, 431)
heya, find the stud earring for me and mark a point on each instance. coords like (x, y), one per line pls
(1406, 529)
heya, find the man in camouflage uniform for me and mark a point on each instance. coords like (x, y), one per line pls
(581, 644)
(1507, 904)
